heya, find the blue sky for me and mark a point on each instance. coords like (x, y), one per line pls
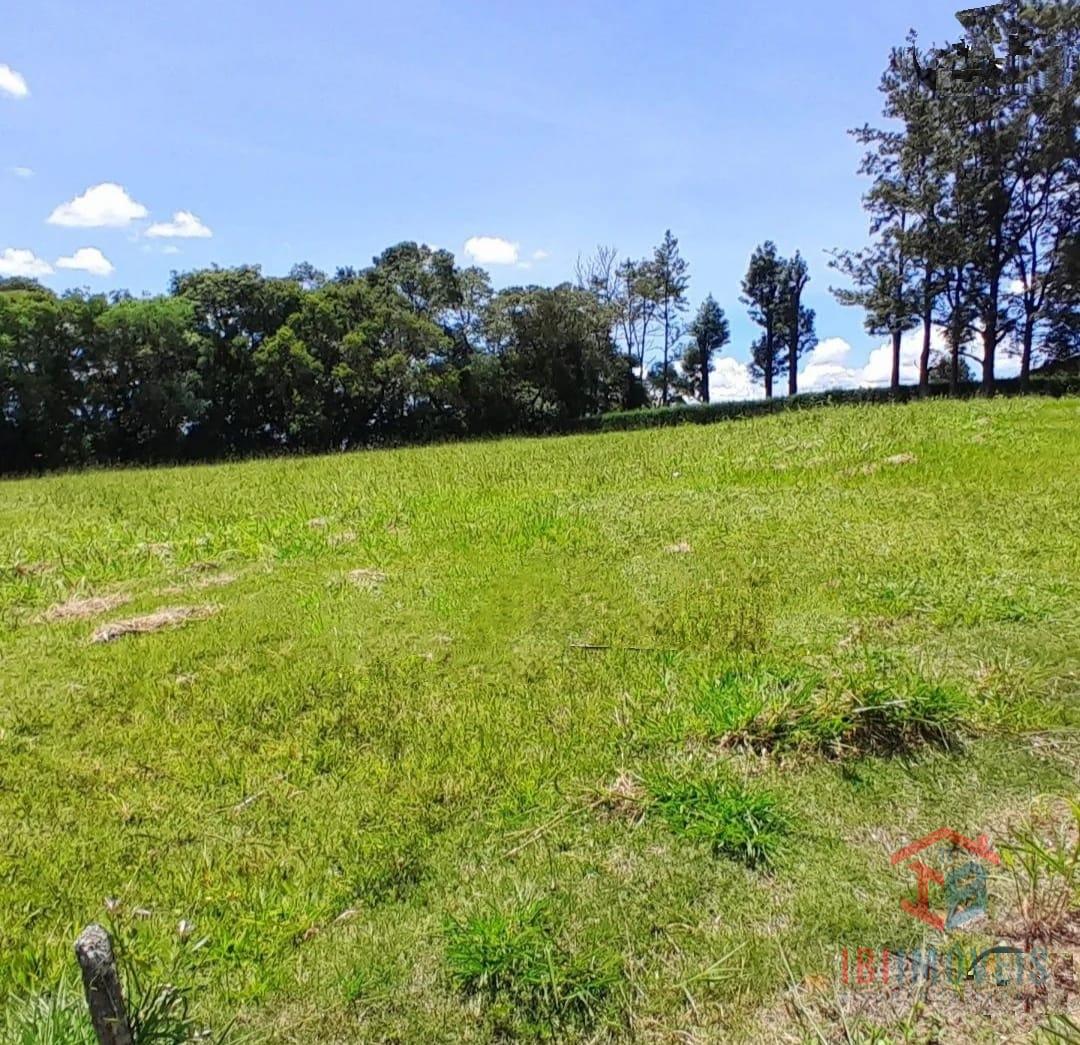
(326, 131)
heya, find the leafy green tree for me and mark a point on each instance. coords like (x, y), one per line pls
(1063, 313)
(670, 273)
(709, 333)
(1045, 215)
(47, 357)
(941, 370)
(146, 380)
(558, 370)
(798, 319)
(636, 296)
(764, 294)
(235, 311)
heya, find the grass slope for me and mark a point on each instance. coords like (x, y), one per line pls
(380, 785)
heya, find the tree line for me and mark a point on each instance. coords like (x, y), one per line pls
(974, 207)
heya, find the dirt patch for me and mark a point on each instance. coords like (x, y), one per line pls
(680, 548)
(159, 620)
(369, 580)
(318, 523)
(83, 607)
(901, 459)
(624, 798)
(335, 540)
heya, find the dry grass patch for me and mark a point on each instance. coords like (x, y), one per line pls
(159, 620)
(368, 579)
(32, 569)
(215, 580)
(83, 607)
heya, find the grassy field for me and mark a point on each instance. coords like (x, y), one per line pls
(597, 737)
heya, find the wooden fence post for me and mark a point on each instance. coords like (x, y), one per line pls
(94, 950)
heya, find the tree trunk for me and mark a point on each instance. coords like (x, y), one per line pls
(667, 335)
(704, 377)
(1025, 357)
(924, 355)
(793, 363)
(989, 349)
(894, 382)
(990, 335)
(954, 368)
(768, 371)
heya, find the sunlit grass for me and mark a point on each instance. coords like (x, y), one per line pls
(369, 796)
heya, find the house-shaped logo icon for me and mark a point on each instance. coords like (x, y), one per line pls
(961, 872)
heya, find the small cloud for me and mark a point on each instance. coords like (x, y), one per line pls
(730, 379)
(22, 172)
(12, 83)
(102, 206)
(831, 350)
(170, 248)
(184, 225)
(540, 255)
(87, 259)
(17, 262)
(492, 250)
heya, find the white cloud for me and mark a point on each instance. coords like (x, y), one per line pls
(22, 172)
(12, 83)
(540, 255)
(731, 380)
(826, 366)
(492, 250)
(17, 262)
(102, 206)
(87, 259)
(184, 225)
(831, 350)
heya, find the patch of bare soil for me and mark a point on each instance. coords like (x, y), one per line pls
(335, 540)
(82, 607)
(159, 620)
(679, 548)
(623, 799)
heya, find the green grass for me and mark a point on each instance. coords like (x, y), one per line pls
(371, 799)
(735, 821)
